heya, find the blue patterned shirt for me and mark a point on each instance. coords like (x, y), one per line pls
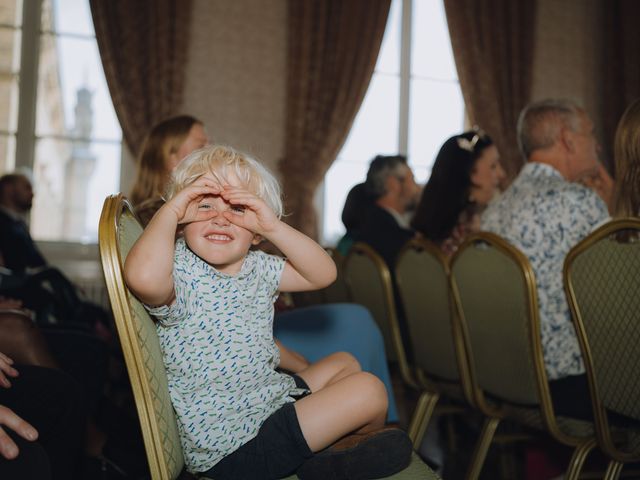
(543, 215)
(219, 353)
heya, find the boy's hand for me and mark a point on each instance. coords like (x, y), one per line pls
(188, 204)
(248, 211)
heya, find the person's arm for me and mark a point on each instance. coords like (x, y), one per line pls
(290, 360)
(308, 266)
(148, 269)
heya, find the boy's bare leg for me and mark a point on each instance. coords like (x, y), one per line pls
(356, 403)
(329, 370)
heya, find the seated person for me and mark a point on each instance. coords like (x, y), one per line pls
(234, 409)
(27, 276)
(358, 202)
(626, 192)
(544, 213)
(390, 182)
(48, 444)
(465, 178)
(167, 143)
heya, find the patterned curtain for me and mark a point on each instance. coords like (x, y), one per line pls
(143, 47)
(621, 64)
(493, 43)
(332, 50)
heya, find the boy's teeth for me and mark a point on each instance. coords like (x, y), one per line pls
(218, 237)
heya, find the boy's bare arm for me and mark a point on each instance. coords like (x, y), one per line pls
(290, 360)
(308, 266)
(148, 269)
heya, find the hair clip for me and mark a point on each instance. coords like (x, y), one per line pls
(468, 145)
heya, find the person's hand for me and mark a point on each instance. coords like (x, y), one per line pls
(6, 368)
(186, 204)
(248, 211)
(599, 181)
(8, 448)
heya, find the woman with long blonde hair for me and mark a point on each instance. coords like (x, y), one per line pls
(165, 146)
(626, 192)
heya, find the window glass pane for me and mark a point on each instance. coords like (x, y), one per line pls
(338, 181)
(9, 50)
(389, 57)
(68, 68)
(431, 54)
(71, 181)
(375, 129)
(67, 17)
(11, 12)
(437, 112)
(8, 102)
(7, 152)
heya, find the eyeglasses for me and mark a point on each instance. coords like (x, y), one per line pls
(470, 145)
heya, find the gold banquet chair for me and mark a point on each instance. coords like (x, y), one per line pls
(369, 282)
(494, 289)
(602, 282)
(118, 231)
(422, 278)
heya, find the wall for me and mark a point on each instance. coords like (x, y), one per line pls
(236, 74)
(568, 52)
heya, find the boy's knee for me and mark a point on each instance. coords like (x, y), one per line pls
(374, 389)
(348, 361)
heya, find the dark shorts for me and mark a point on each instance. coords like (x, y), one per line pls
(277, 451)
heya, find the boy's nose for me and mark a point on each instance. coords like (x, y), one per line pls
(220, 219)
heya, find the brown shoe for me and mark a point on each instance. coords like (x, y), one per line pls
(360, 457)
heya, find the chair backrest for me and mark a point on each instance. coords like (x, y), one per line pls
(337, 292)
(369, 282)
(602, 282)
(494, 289)
(422, 278)
(118, 231)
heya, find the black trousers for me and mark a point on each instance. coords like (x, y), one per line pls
(53, 403)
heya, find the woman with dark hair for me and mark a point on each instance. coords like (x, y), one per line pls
(358, 201)
(465, 177)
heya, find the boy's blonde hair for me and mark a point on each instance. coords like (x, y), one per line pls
(220, 160)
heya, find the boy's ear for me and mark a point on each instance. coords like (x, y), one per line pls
(257, 239)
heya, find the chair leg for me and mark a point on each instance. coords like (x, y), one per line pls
(482, 447)
(613, 470)
(578, 458)
(421, 417)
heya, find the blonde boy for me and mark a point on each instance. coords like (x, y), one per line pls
(213, 297)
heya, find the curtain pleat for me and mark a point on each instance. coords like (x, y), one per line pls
(332, 50)
(143, 46)
(620, 66)
(493, 45)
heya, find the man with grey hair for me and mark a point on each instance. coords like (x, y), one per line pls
(544, 213)
(390, 182)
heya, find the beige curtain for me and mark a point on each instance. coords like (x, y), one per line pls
(620, 66)
(332, 50)
(493, 42)
(143, 47)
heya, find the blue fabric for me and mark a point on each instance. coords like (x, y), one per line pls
(320, 330)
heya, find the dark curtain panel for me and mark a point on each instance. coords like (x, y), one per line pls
(493, 42)
(332, 50)
(143, 47)
(621, 64)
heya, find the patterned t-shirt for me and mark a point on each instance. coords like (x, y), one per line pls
(219, 353)
(543, 215)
